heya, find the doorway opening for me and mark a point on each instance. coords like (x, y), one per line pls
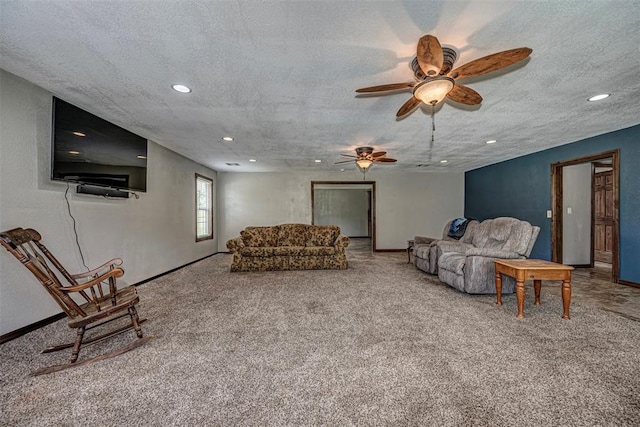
(348, 204)
(585, 221)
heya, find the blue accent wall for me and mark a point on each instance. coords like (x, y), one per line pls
(521, 188)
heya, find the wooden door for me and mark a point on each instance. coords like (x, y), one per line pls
(603, 216)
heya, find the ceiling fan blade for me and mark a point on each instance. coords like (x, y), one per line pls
(490, 63)
(408, 106)
(464, 95)
(344, 161)
(430, 55)
(384, 88)
(378, 154)
(384, 160)
(348, 155)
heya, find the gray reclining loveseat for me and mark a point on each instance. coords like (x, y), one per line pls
(468, 266)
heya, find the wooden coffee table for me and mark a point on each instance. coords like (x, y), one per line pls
(536, 270)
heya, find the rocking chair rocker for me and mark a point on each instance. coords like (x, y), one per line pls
(99, 307)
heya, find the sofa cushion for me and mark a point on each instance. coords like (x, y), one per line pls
(507, 234)
(452, 261)
(322, 235)
(288, 250)
(468, 234)
(260, 236)
(292, 235)
(319, 251)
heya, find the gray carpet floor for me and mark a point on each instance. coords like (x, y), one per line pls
(378, 344)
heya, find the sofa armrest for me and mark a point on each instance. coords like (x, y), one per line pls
(445, 246)
(235, 245)
(341, 242)
(420, 240)
(492, 253)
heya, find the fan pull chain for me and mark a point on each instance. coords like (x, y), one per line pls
(433, 123)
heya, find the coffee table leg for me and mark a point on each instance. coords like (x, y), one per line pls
(537, 284)
(498, 289)
(520, 297)
(566, 298)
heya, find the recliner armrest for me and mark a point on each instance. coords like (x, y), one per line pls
(492, 253)
(445, 246)
(420, 240)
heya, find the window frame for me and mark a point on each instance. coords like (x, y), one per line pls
(210, 235)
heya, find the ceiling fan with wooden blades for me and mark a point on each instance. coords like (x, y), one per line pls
(365, 157)
(435, 78)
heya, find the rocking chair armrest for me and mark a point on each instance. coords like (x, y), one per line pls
(110, 264)
(115, 272)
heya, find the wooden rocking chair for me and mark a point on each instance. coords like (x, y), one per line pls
(103, 302)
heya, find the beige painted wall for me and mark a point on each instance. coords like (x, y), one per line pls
(153, 234)
(407, 204)
(346, 208)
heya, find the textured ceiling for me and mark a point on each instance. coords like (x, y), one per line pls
(280, 77)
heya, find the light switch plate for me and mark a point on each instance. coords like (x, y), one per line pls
(549, 214)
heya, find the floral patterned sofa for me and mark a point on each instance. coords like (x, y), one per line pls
(289, 247)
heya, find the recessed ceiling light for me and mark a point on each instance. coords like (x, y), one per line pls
(227, 138)
(142, 157)
(252, 160)
(318, 161)
(181, 88)
(78, 133)
(444, 161)
(599, 97)
(491, 141)
(341, 170)
(75, 153)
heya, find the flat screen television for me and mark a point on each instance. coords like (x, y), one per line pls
(92, 151)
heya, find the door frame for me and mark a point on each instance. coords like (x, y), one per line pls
(372, 185)
(557, 211)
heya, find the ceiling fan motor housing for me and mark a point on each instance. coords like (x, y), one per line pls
(361, 151)
(449, 58)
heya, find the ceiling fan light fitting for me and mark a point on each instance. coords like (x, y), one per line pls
(364, 164)
(433, 91)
